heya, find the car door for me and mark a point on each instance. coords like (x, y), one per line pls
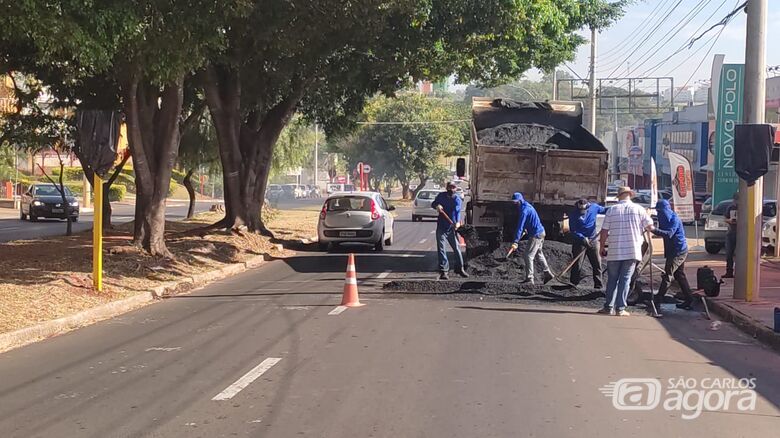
(389, 219)
(26, 200)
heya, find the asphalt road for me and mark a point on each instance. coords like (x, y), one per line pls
(267, 354)
(12, 228)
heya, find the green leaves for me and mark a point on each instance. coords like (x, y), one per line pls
(407, 136)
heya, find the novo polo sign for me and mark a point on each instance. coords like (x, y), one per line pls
(729, 115)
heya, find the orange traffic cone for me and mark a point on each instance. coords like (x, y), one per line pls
(350, 297)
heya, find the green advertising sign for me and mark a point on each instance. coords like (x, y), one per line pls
(729, 115)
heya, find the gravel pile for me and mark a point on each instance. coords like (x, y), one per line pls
(519, 135)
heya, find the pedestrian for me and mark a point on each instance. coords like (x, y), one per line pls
(528, 222)
(670, 227)
(731, 235)
(626, 227)
(582, 225)
(448, 204)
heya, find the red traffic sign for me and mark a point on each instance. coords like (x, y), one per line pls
(366, 168)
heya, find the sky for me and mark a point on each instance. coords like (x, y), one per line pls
(620, 51)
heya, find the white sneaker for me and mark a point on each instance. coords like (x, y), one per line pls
(623, 312)
(607, 311)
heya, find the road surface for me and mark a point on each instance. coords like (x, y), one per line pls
(12, 228)
(268, 354)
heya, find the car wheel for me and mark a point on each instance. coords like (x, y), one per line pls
(712, 247)
(324, 246)
(22, 216)
(33, 218)
(75, 219)
(414, 218)
(380, 246)
(389, 240)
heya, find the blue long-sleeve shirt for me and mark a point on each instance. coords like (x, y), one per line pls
(452, 205)
(670, 227)
(528, 221)
(584, 226)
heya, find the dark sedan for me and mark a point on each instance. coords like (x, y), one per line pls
(44, 200)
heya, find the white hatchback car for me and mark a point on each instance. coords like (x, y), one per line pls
(356, 217)
(422, 205)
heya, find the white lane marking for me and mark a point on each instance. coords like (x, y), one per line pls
(163, 349)
(383, 275)
(247, 379)
(433, 231)
(423, 241)
(721, 341)
(337, 310)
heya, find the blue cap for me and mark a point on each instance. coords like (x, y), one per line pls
(517, 197)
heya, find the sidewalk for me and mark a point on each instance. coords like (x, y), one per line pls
(755, 318)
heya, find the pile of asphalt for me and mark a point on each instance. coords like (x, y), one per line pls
(480, 289)
(487, 263)
(519, 135)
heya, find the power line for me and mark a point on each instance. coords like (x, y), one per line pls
(617, 51)
(722, 22)
(680, 26)
(422, 122)
(683, 46)
(676, 5)
(704, 58)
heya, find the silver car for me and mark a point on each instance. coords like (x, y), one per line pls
(357, 217)
(422, 205)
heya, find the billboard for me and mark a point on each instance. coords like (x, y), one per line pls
(682, 181)
(729, 114)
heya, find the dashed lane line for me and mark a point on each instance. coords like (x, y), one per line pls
(337, 310)
(247, 379)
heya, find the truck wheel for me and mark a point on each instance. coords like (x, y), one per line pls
(712, 247)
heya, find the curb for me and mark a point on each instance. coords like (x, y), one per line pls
(745, 323)
(47, 329)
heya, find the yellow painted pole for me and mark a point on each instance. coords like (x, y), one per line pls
(97, 235)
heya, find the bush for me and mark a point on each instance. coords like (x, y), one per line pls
(178, 176)
(172, 186)
(70, 173)
(117, 192)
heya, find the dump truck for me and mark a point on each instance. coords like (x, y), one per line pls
(539, 149)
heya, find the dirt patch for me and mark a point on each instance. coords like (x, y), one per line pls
(50, 278)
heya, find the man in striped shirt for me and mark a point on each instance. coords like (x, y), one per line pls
(625, 228)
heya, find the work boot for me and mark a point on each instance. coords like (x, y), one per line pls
(547, 277)
(528, 281)
(462, 273)
(658, 313)
(444, 276)
(597, 285)
(729, 274)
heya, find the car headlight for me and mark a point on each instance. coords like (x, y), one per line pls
(74, 204)
(37, 203)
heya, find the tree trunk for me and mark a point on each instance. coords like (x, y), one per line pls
(423, 181)
(153, 118)
(191, 191)
(405, 190)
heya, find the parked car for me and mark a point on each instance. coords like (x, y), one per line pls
(715, 228)
(45, 200)
(274, 192)
(359, 217)
(422, 205)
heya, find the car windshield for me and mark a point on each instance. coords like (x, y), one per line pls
(50, 191)
(426, 195)
(349, 203)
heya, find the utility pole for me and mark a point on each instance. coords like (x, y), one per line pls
(316, 154)
(749, 222)
(555, 84)
(592, 90)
